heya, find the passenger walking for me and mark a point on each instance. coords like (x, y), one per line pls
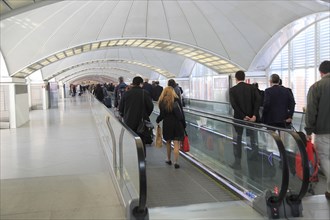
(136, 104)
(156, 91)
(288, 124)
(147, 86)
(175, 86)
(290, 90)
(98, 92)
(74, 90)
(278, 106)
(261, 93)
(318, 119)
(119, 91)
(245, 100)
(174, 123)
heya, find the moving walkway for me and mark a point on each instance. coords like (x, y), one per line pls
(263, 181)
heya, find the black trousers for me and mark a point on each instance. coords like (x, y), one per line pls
(237, 142)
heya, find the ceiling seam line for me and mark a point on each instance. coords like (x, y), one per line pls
(81, 26)
(106, 20)
(168, 27)
(129, 12)
(184, 15)
(203, 14)
(237, 30)
(146, 31)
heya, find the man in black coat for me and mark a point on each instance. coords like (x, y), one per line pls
(245, 100)
(147, 86)
(279, 104)
(135, 104)
(156, 91)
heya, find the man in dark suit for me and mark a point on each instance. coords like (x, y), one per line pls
(279, 103)
(245, 100)
(136, 104)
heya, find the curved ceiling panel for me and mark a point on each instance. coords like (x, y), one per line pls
(87, 78)
(234, 31)
(129, 70)
(93, 74)
(170, 64)
(212, 61)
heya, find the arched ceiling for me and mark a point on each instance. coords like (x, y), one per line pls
(162, 34)
(89, 79)
(144, 61)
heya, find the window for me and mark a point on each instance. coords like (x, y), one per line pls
(297, 63)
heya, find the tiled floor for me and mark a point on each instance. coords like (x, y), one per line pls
(53, 167)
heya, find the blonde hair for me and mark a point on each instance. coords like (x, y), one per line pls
(167, 98)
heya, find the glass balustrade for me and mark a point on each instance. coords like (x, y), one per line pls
(124, 151)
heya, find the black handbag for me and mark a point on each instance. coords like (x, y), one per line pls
(145, 128)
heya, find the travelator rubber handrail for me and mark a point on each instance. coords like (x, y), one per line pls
(300, 144)
(275, 200)
(140, 211)
(198, 100)
(224, 103)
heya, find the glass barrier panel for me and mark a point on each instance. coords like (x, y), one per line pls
(120, 147)
(216, 144)
(298, 121)
(130, 162)
(221, 108)
(225, 109)
(117, 129)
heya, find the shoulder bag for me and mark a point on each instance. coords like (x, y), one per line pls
(145, 127)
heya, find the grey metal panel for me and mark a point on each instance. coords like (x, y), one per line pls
(36, 97)
(21, 89)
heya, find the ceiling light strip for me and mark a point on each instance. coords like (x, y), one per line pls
(200, 56)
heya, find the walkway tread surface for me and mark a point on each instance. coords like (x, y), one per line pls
(168, 186)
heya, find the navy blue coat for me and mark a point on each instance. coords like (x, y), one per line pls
(278, 105)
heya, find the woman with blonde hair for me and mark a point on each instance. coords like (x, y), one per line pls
(174, 124)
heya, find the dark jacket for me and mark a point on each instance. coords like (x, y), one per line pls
(132, 104)
(173, 122)
(278, 105)
(148, 87)
(156, 91)
(245, 100)
(98, 91)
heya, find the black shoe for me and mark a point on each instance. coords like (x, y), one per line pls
(235, 166)
(168, 162)
(176, 166)
(327, 195)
